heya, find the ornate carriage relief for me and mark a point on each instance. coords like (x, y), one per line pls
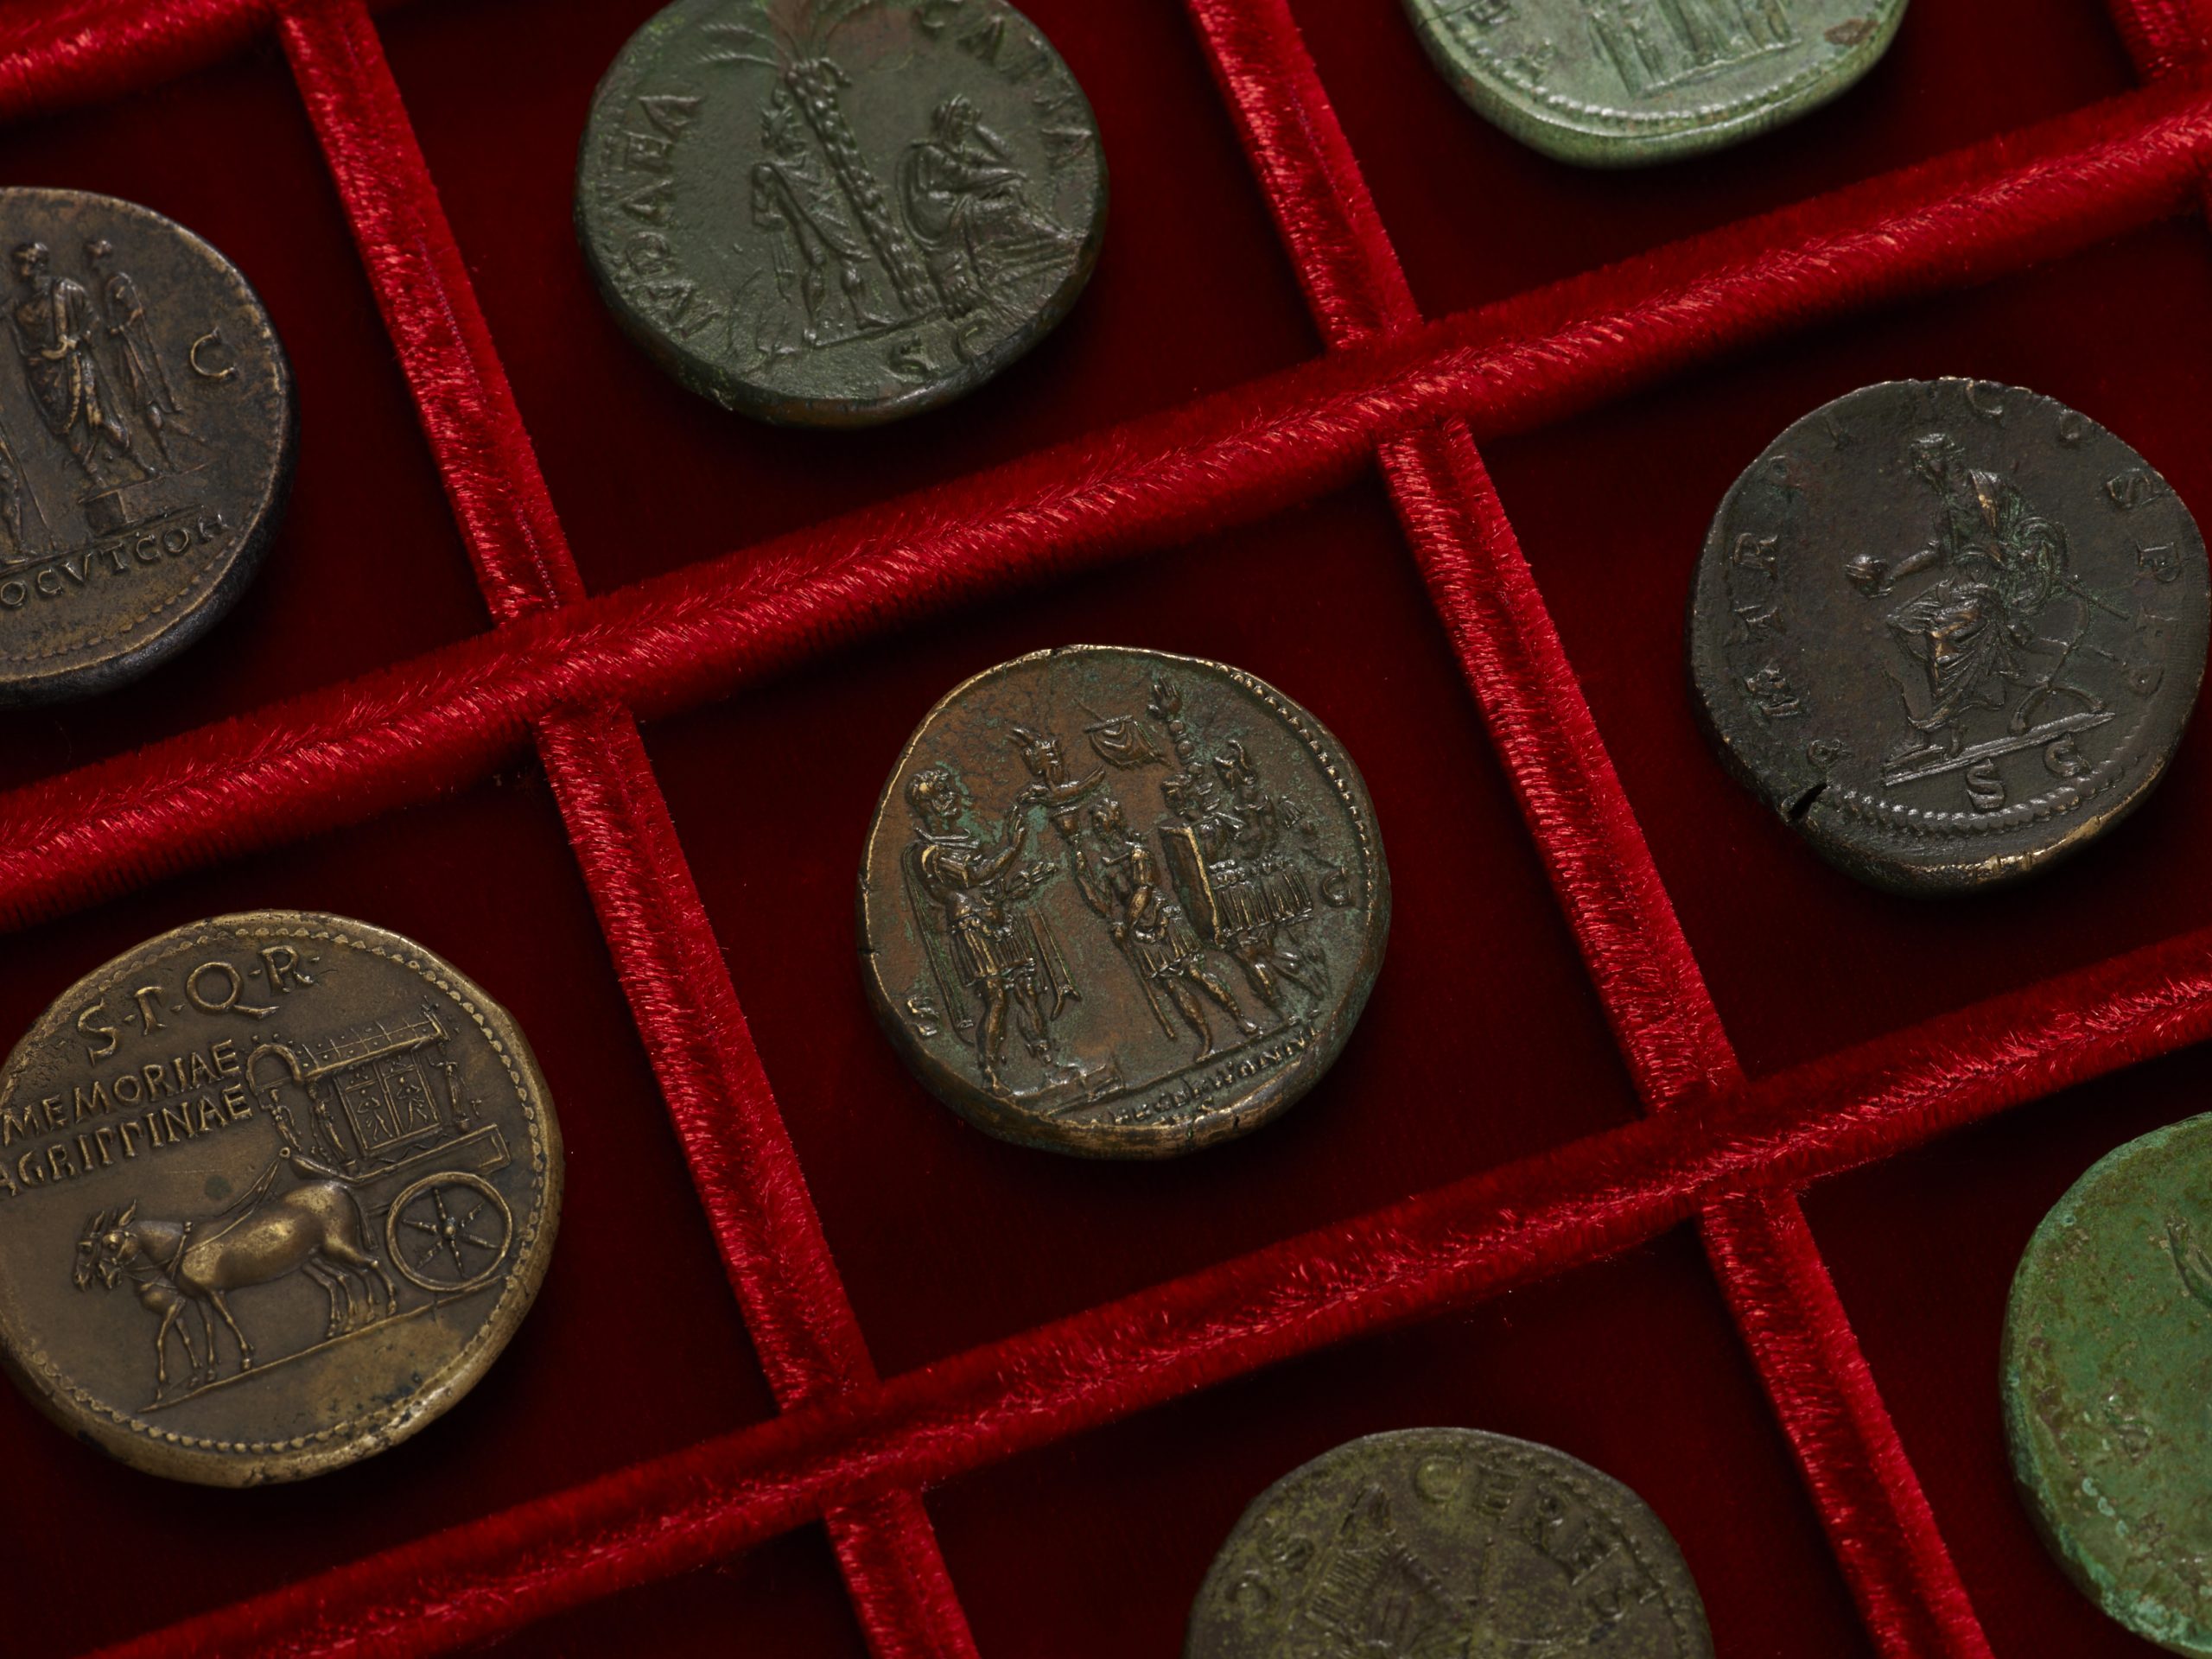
(1996, 616)
(319, 1165)
(839, 210)
(1143, 939)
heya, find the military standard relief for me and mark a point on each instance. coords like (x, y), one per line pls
(1447, 1543)
(1619, 83)
(1949, 630)
(1122, 903)
(837, 212)
(274, 1190)
(147, 428)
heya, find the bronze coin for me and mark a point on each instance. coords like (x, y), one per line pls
(1447, 1543)
(1121, 903)
(1949, 631)
(835, 214)
(275, 1190)
(147, 432)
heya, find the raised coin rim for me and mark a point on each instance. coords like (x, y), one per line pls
(1412, 1442)
(1591, 142)
(143, 1446)
(1883, 863)
(81, 674)
(720, 385)
(1267, 1101)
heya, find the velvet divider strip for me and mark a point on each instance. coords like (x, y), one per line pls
(666, 956)
(1448, 1248)
(1868, 1496)
(346, 753)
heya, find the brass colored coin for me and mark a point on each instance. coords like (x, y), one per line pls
(1121, 903)
(275, 1190)
(1447, 1543)
(147, 431)
(835, 212)
(2107, 1365)
(1949, 631)
(1620, 83)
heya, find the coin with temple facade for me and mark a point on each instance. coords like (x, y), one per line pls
(2105, 1370)
(275, 1190)
(1121, 903)
(147, 432)
(1445, 1542)
(833, 212)
(1620, 83)
(1949, 631)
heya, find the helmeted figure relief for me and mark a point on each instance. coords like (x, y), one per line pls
(995, 959)
(1120, 880)
(816, 239)
(1222, 856)
(55, 327)
(145, 380)
(1972, 636)
(968, 205)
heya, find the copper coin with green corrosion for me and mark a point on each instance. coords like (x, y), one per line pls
(1618, 83)
(835, 212)
(2108, 1367)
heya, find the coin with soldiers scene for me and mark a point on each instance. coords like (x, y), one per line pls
(275, 1190)
(1447, 1543)
(148, 428)
(1621, 83)
(1949, 631)
(835, 212)
(1121, 903)
(2106, 1365)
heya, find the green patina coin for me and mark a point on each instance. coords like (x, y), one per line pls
(833, 212)
(1619, 83)
(2108, 1384)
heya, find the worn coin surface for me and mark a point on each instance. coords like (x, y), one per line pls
(1121, 903)
(147, 431)
(1618, 83)
(1436, 1543)
(832, 213)
(2107, 1368)
(1949, 630)
(274, 1190)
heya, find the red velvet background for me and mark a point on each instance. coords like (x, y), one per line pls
(1483, 1043)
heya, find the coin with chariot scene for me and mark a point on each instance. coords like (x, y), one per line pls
(1447, 1543)
(147, 432)
(1121, 903)
(833, 212)
(275, 1188)
(1949, 630)
(1621, 83)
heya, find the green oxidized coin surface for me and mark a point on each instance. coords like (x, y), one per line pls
(2108, 1383)
(1618, 83)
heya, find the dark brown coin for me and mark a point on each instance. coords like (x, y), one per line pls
(147, 429)
(1949, 630)
(1447, 1543)
(274, 1190)
(1122, 903)
(833, 213)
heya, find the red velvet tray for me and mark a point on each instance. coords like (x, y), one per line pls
(1631, 1154)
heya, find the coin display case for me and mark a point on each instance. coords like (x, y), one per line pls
(1661, 1141)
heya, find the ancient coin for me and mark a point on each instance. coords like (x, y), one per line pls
(1949, 630)
(1618, 83)
(833, 213)
(1121, 903)
(275, 1190)
(2108, 1365)
(1433, 1543)
(147, 429)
